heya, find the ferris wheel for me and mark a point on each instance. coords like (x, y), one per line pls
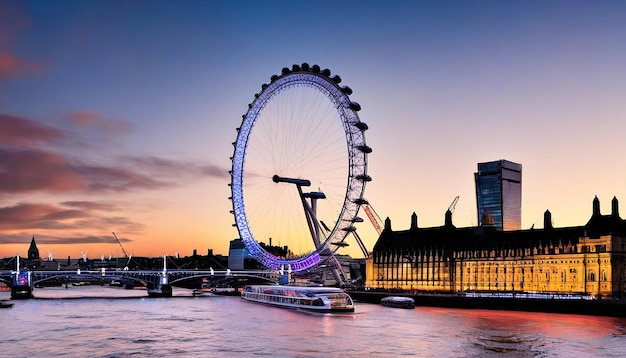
(299, 169)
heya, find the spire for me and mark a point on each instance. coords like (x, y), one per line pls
(33, 251)
(614, 208)
(414, 221)
(448, 221)
(596, 207)
(388, 224)
(547, 220)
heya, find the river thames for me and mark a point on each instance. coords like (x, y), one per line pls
(113, 322)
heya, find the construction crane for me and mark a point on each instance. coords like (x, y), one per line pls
(118, 241)
(453, 205)
(374, 218)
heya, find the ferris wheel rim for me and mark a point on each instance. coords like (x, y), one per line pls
(357, 162)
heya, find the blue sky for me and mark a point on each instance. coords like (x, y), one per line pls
(137, 103)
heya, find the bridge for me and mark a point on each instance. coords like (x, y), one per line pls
(157, 282)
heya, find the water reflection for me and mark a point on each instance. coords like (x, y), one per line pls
(229, 326)
(529, 334)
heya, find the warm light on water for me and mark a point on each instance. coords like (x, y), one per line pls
(220, 326)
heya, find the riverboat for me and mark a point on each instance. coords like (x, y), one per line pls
(224, 291)
(219, 290)
(318, 299)
(398, 302)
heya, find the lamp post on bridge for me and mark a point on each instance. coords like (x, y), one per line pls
(162, 288)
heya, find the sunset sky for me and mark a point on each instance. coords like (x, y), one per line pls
(118, 116)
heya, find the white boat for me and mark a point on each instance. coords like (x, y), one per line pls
(398, 302)
(318, 299)
(220, 290)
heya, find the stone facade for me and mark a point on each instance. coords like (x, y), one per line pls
(589, 259)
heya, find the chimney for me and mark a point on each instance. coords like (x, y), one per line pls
(414, 221)
(614, 208)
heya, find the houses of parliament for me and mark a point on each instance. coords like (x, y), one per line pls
(588, 260)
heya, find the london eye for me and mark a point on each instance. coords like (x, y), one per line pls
(299, 169)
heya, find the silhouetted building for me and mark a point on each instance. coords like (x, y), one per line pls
(33, 251)
(586, 260)
(499, 192)
(33, 261)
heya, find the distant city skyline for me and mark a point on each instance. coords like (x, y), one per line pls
(119, 116)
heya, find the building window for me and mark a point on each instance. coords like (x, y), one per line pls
(592, 276)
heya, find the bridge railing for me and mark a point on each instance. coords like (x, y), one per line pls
(105, 275)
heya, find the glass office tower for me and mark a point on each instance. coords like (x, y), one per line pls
(499, 191)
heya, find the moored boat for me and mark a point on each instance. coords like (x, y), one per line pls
(224, 291)
(318, 299)
(398, 302)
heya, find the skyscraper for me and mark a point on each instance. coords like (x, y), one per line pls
(499, 191)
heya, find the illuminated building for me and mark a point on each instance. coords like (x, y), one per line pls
(499, 191)
(588, 259)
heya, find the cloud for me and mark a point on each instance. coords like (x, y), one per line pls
(29, 165)
(13, 66)
(90, 205)
(166, 167)
(24, 170)
(26, 166)
(27, 170)
(96, 122)
(84, 129)
(12, 20)
(20, 131)
(214, 171)
(117, 179)
(35, 217)
(24, 238)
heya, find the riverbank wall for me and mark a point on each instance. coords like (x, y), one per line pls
(611, 308)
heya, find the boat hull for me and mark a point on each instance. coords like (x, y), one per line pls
(314, 299)
(24, 292)
(398, 302)
(5, 304)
